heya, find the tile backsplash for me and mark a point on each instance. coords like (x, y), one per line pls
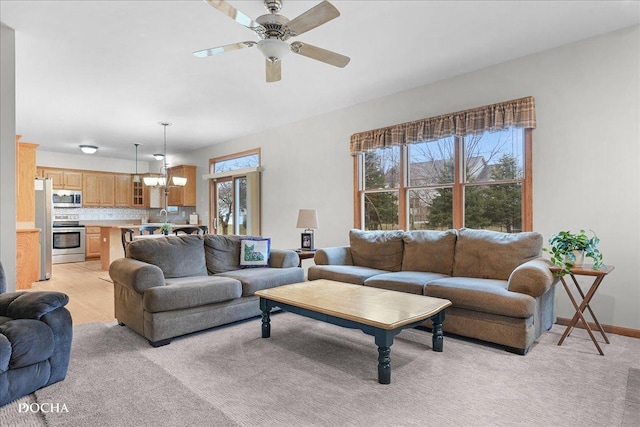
(175, 214)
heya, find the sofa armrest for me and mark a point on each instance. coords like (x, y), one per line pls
(136, 275)
(283, 258)
(337, 255)
(31, 305)
(532, 278)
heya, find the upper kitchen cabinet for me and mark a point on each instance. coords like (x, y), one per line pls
(183, 196)
(63, 179)
(123, 191)
(98, 189)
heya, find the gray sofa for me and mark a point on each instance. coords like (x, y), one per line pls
(501, 289)
(171, 286)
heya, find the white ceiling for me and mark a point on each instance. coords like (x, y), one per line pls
(106, 72)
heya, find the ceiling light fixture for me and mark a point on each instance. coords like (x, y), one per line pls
(273, 49)
(88, 149)
(136, 177)
(165, 180)
(158, 156)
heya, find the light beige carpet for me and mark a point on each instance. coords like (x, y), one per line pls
(314, 374)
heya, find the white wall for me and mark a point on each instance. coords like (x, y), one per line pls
(586, 155)
(8, 154)
(88, 162)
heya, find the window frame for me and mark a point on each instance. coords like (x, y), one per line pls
(458, 186)
(213, 213)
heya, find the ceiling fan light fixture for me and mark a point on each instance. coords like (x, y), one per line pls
(88, 149)
(273, 49)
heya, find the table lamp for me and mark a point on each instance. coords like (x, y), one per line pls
(307, 219)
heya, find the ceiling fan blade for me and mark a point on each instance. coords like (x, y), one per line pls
(221, 49)
(320, 54)
(235, 14)
(312, 18)
(273, 70)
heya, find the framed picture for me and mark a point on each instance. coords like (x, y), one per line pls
(306, 241)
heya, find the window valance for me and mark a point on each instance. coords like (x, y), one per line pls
(515, 113)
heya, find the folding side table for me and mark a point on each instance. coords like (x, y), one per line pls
(585, 270)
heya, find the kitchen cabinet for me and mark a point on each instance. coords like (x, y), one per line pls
(27, 257)
(64, 179)
(138, 194)
(98, 190)
(25, 175)
(123, 191)
(92, 244)
(183, 196)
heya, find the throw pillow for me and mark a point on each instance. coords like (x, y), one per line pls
(255, 252)
(381, 250)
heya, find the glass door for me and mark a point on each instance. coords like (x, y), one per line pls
(230, 200)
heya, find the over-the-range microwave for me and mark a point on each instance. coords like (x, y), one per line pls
(67, 199)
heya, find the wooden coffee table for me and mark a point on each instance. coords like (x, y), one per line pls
(377, 312)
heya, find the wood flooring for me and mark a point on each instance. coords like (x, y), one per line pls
(88, 286)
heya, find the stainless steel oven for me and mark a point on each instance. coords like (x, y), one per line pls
(68, 239)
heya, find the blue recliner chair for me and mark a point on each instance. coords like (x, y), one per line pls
(35, 340)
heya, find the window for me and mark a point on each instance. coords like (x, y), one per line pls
(235, 193)
(476, 181)
(469, 169)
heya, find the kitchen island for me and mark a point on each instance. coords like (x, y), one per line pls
(111, 241)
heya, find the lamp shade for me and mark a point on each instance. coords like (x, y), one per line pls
(307, 218)
(179, 181)
(150, 181)
(273, 48)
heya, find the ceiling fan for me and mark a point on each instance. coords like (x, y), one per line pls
(274, 29)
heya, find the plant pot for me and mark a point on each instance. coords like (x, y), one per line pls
(575, 258)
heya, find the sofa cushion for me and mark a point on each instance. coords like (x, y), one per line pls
(493, 255)
(381, 250)
(412, 282)
(429, 250)
(483, 295)
(222, 252)
(176, 256)
(254, 252)
(343, 273)
(187, 292)
(255, 279)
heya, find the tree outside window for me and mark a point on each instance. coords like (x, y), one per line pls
(475, 182)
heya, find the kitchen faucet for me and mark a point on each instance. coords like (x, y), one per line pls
(166, 215)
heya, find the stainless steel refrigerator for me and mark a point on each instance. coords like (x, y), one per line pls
(44, 221)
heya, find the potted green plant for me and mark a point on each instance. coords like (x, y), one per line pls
(569, 249)
(165, 228)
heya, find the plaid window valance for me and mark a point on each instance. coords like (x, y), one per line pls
(516, 113)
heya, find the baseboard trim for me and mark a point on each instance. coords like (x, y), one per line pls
(618, 330)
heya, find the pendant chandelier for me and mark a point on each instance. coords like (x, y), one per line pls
(165, 180)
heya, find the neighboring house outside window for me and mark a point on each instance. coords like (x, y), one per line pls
(478, 180)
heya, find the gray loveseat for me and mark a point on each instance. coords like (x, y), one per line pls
(176, 285)
(501, 289)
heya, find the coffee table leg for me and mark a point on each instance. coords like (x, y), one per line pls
(438, 336)
(266, 318)
(384, 341)
(384, 365)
